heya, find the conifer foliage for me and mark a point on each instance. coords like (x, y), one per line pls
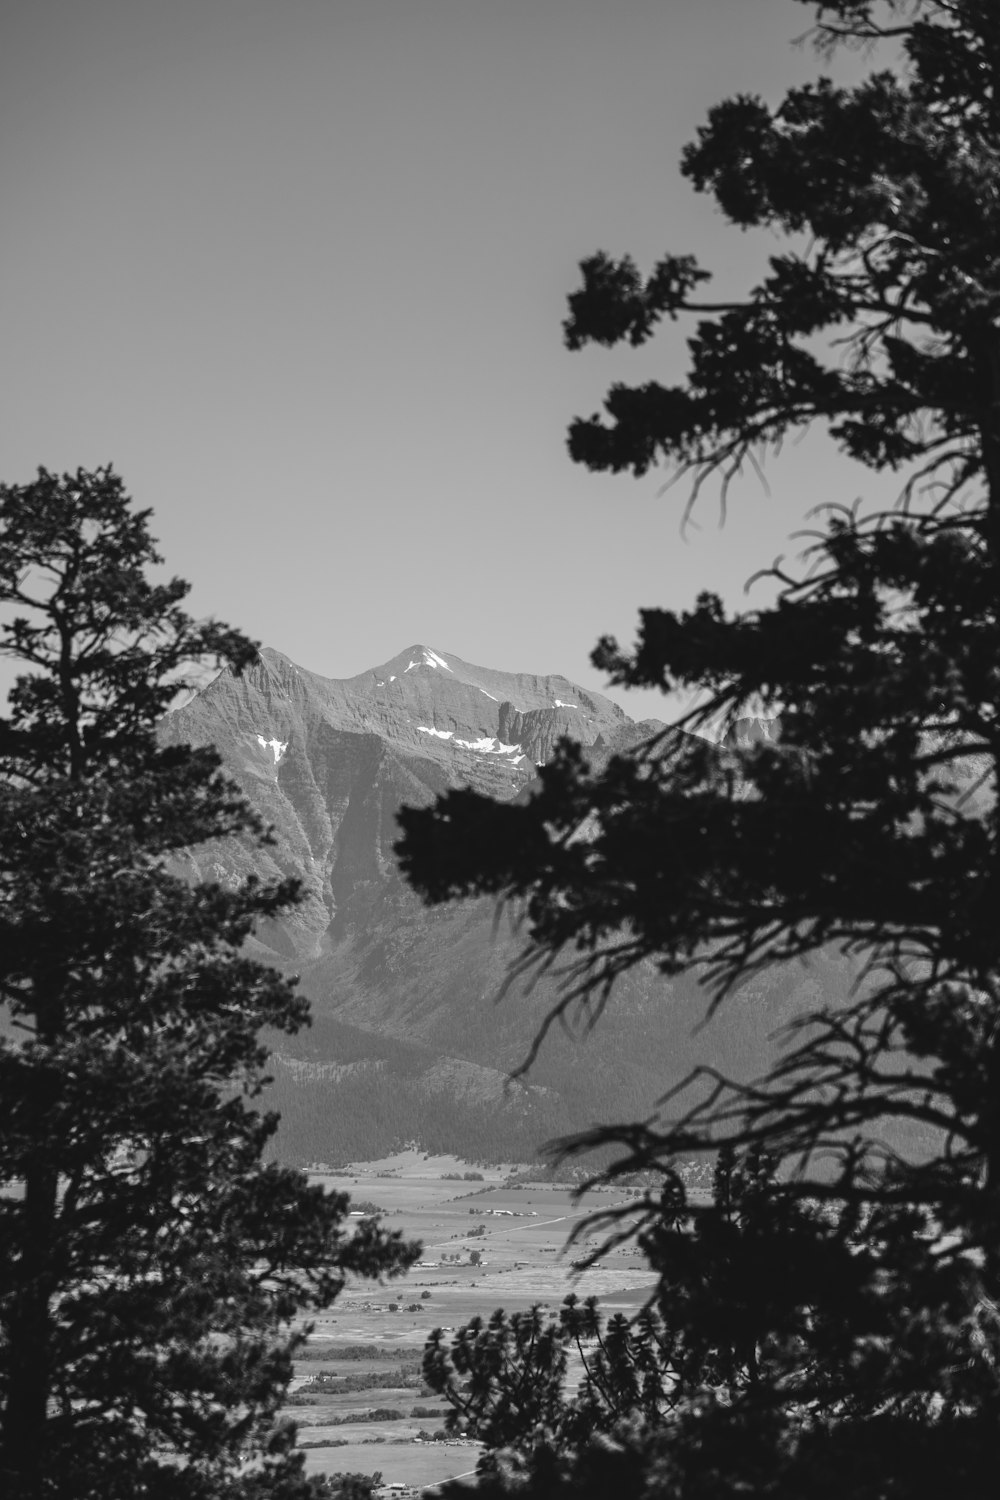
(150, 1262)
(869, 822)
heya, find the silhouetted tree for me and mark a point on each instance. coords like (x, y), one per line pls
(869, 822)
(150, 1263)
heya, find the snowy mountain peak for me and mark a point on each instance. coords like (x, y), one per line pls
(327, 761)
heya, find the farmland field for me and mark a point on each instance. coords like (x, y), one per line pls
(363, 1355)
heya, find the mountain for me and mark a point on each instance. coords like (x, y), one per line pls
(409, 1038)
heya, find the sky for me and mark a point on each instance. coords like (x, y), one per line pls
(298, 268)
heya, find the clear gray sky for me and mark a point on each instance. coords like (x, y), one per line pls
(298, 269)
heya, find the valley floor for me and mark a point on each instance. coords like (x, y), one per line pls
(375, 1334)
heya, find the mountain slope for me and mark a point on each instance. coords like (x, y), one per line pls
(327, 762)
(409, 1039)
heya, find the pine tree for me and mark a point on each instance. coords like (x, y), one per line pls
(150, 1262)
(869, 822)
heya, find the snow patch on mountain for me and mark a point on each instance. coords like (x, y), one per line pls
(488, 745)
(561, 704)
(276, 745)
(431, 659)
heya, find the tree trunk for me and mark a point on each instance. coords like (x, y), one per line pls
(26, 1440)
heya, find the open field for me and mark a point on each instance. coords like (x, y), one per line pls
(519, 1234)
(416, 1465)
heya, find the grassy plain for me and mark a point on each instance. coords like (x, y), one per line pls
(520, 1233)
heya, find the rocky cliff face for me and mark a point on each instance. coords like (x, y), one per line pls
(408, 1038)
